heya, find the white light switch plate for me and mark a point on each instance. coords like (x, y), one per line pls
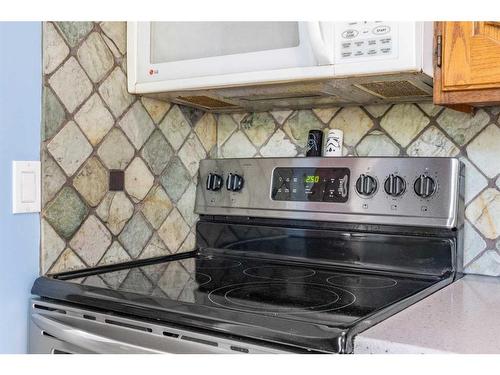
(26, 190)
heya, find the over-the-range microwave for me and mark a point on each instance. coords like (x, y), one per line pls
(230, 66)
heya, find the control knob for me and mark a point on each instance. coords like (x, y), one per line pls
(394, 185)
(366, 185)
(234, 182)
(214, 182)
(424, 186)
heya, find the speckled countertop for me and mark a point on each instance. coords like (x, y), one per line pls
(463, 317)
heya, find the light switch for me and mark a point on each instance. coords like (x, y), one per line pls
(26, 190)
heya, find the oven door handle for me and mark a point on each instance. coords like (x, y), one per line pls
(318, 45)
(86, 340)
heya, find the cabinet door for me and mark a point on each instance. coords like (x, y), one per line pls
(467, 66)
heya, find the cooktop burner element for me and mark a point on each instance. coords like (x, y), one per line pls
(279, 273)
(208, 263)
(282, 297)
(361, 281)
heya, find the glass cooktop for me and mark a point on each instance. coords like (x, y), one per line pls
(311, 288)
(267, 287)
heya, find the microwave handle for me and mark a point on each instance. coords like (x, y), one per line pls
(320, 49)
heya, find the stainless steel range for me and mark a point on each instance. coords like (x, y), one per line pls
(292, 255)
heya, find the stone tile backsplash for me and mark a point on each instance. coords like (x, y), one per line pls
(399, 130)
(91, 125)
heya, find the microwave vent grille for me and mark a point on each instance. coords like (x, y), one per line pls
(206, 102)
(258, 98)
(392, 89)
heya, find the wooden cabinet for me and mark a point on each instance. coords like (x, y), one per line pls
(467, 64)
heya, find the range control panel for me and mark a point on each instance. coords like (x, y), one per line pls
(385, 190)
(366, 40)
(311, 184)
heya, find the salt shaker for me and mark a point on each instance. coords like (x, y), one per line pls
(333, 144)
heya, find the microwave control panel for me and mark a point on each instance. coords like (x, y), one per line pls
(361, 41)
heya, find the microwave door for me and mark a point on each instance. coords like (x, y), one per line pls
(321, 36)
(196, 55)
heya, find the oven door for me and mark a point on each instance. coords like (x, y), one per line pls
(172, 56)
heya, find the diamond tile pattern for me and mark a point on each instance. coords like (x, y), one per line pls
(484, 151)
(298, 125)
(462, 126)
(114, 92)
(259, 128)
(70, 148)
(421, 129)
(135, 235)
(175, 179)
(432, 142)
(206, 131)
(137, 125)
(354, 122)
(483, 213)
(403, 122)
(157, 152)
(156, 108)
(74, 32)
(279, 146)
(155, 248)
(94, 119)
(54, 178)
(54, 115)
(186, 205)
(54, 48)
(191, 153)
(115, 210)
(138, 179)
(324, 114)
(71, 84)
(91, 126)
(92, 181)
(84, 110)
(156, 206)
(67, 261)
(115, 151)
(66, 212)
(95, 57)
(226, 125)
(117, 32)
(115, 254)
(473, 243)
(174, 230)
(91, 241)
(175, 127)
(238, 146)
(52, 244)
(377, 144)
(475, 182)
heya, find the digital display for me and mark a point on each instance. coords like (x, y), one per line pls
(311, 184)
(311, 179)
